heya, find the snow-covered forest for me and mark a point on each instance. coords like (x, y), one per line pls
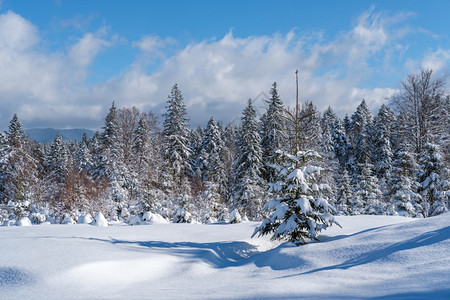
(273, 168)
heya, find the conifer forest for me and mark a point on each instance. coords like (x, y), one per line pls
(293, 168)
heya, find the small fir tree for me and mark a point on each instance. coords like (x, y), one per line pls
(299, 211)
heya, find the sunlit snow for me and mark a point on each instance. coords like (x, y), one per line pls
(371, 256)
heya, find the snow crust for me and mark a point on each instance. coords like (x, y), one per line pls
(371, 256)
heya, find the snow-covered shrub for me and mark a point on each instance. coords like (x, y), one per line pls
(84, 219)
(235, 217)
(100, 220)
(152, 218)
(67, 220)
(135, 220)
(24, 221)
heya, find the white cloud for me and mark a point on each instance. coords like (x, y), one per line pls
(437, 60)
(84, 51)
(152, 43)
(16, 33)
(216, 76)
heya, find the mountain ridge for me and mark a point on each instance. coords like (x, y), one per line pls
(47, 135)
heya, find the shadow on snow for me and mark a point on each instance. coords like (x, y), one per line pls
(425, 239)
(218, 254)
(12, 277)
(239, 253)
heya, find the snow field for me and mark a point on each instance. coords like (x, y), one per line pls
(371, 256)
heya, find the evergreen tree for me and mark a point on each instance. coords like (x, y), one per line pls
(340, 142)
(299, 212)
(360, 124)
(249, 192)
(176, 148)
(368, 197)
(16, 133)
(433, 188)
(273, 136)
(309, 127)
(213, 146)
(141, 151)
(402, 186)
(20, 176)
(344, 196)
(328, 151)
(383, 153)
(58, 160)
(83, 157)
(5, 152)
(111, 165)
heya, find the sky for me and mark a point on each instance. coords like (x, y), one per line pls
(62, 63)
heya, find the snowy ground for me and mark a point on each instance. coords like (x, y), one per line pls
(371, 256)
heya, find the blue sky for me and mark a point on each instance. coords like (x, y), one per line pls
(62, 63)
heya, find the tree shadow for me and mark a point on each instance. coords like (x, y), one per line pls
(12, 277)
(425, 239)
(218, 254)
(325, 238)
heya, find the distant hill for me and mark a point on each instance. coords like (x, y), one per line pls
(46, 135)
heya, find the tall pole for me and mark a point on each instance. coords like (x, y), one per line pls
(296, 115)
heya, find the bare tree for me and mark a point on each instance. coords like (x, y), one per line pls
(421, 110)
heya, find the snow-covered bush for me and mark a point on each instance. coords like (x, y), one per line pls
(235, 217)
(100, 220)
(84, 219)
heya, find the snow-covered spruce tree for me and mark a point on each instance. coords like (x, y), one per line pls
(20, 177)
(327, 151)
(83, 157)
(229, 137)
(58, 160)
(139, 161)
(299, 212)
(433, 188)
(402, 186)
(382, 147)
(248, 184)
(176, 153)
(340, 142)
(5, 151)
(308, 129)
(367, 194)
(176, 150)
(110, 163)
(273, 135)
(344, 194)
(56, 175)
(213, 145)
(360, 129)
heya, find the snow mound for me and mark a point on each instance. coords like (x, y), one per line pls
(135, 220)
(84, 219)
(67, 221)
(152, 218)
(23, 222)
(100, 220)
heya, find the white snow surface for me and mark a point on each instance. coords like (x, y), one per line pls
(370, 257)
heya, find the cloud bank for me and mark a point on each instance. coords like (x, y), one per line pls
(216, 77)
